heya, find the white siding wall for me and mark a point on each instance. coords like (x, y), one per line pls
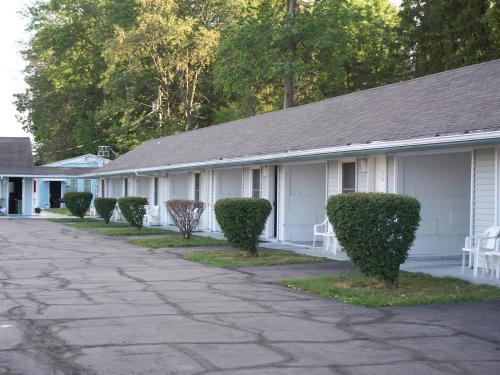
(267, 192)
(281, 201)
(116, 188)
(362, 175)
(333, 177)
(390, 174)
(179, 186)
(162, 198)
(484, 190)
(205, 198)
(144, 187)
(228, 183)
(247, 188)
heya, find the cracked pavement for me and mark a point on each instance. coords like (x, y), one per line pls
(73, 302)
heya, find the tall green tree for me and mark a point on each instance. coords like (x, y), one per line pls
(444, 34)
(63, 73)
(175, 48)
(302, 51)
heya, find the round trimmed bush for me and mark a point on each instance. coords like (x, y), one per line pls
(105, 207)
(78, 203)
(242, 220)
(133, 210)
(376, 230)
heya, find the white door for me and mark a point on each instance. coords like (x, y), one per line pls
(228, 185)
(305, 200)
(442, 185)
(179, 186)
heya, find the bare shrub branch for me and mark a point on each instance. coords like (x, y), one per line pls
(186, 214)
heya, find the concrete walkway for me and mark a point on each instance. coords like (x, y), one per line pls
(73, 302)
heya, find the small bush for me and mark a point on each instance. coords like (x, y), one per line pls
(78, 203)
(376, 230)
(242, 220)
(133, 210)
(185, 214)
(105, 207)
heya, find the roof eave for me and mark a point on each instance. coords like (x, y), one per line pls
(416, 144)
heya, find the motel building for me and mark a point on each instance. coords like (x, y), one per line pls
(436, 138)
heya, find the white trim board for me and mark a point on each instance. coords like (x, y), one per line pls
(376, 146)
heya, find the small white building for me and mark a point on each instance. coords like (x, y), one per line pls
(436, 138)
(23, 186)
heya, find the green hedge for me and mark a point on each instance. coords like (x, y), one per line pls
(105, 207)
(133, 210)
(78, 203)
(376, 230)
(242, 220)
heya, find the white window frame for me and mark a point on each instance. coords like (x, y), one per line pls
(197, 174)
(251, 182)
(341, 163)
(71, 182)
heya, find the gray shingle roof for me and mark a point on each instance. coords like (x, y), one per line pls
(16, 159)
(15, 152)
(452, 102)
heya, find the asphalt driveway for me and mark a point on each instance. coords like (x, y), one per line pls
(77, 303)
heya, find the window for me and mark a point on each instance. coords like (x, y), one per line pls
(87, 185)
(348, 177)
(256, 183)
(155, 192)
(197, 187)
(125, 186)
(73, 185)
(102, 188)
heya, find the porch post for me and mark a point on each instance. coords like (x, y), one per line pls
(381, 174)
(282, 169)
(497, 185)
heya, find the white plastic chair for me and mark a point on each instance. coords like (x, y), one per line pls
(476, 247)
(325, 230)
(117, 214)
(92, 211)
(489, 261)
(152, 216)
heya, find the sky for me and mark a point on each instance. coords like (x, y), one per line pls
(12, 34)
(11, 65)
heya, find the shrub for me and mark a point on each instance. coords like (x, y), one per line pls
(376, 230)
(242, 220)
(105, 207)
(185, 214)
(78, 203)
(133, 210)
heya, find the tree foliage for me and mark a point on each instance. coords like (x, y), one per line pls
(243, 220)
(376, 230)
(133, 210)
(119, 72)
(105, 208)
(78, 203)
(439, 35)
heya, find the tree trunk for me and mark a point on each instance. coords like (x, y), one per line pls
(291, 8)
(392, 283)
(189, 122)
(254, 252)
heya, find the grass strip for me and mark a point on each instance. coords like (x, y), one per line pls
(178, 241)
(237, 258)
(131, 231)
(70, 220)
(414, 289)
